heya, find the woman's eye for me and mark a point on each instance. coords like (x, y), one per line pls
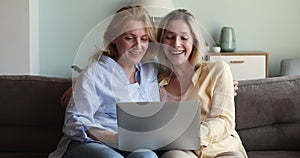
(184, 38)
(145, 39)
(129, 38)
(169, 37)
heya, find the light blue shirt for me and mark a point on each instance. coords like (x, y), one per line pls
(100, 85)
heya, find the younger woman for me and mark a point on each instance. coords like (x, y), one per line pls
(185, 76)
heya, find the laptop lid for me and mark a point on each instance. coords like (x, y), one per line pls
(159, 125)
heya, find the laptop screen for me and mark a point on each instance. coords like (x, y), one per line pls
(159, 125)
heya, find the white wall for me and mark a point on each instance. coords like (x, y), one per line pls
(50, 47)
(34, 37)
(63, 25)
(260, 25)
(17, 56)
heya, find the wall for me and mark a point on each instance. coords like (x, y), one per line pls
(19, 37)
(266, 25)
(14, 37)
(63, 25)
(34, 37)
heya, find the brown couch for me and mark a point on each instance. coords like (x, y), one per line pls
(268, 117)
(31, 118)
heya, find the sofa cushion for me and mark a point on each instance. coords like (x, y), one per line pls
(268, 113)
(23, 155)
(274, 154)
(30, 112)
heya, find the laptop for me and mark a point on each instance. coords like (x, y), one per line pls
(158, 125)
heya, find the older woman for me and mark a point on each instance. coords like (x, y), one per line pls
(90, 128)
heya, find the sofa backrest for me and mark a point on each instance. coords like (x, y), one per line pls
(268, 113)
(31, 117)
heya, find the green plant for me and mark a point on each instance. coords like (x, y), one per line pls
(217, 45)
(76, 68)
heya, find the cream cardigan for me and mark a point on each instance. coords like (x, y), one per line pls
(213, 86)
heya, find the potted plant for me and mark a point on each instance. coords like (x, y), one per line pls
(217, 48)
(206, 46)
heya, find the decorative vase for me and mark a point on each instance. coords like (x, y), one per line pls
(227, 39)
(216, 49)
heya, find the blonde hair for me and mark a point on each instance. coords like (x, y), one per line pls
(116, 28)
(195, 58)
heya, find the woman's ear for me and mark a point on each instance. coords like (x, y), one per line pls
(114, 41)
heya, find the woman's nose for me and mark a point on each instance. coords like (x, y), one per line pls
(138, 44)
(176, 42)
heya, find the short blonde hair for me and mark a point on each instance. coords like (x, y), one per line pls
(116, 29)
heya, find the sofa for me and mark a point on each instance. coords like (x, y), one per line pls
(31, 118)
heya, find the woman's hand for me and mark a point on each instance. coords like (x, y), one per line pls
(64, 100)
(235, 84)
(104, 136)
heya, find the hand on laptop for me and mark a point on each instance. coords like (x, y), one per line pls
(104, 136)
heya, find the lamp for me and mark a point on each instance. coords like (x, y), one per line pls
(156, 8)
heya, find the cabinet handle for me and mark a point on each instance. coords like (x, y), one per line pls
(237, 61)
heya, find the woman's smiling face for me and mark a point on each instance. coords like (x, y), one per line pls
(133, 44)
(178, 42)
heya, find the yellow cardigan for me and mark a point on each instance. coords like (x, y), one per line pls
(213, 86)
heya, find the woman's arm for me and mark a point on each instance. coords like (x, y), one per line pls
(65, 98)
(236, 87)
(220, 119)
(84, 103)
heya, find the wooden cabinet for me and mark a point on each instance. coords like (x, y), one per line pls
(244, 65)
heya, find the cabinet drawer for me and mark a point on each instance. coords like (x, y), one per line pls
(244, 66)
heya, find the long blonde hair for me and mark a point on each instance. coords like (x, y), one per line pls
(116, 28)
(195, 58)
